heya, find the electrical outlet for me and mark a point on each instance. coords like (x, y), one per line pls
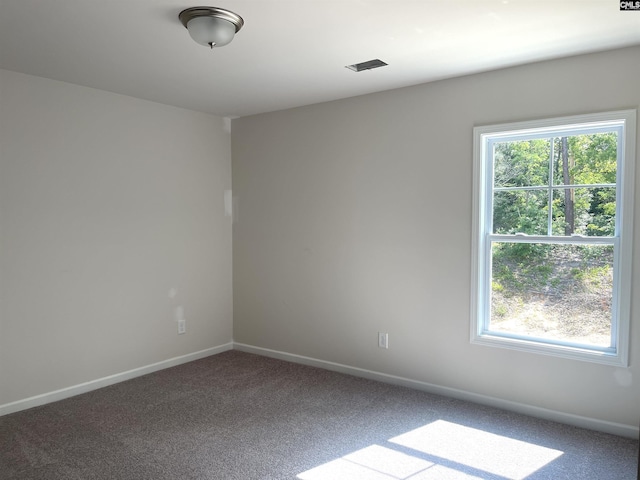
(182, 326)
(383, 340)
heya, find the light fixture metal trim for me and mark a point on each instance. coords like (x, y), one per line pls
(194, 12)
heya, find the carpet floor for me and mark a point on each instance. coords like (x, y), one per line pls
(242, 416)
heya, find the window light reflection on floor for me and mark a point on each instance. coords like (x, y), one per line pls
(439, 447)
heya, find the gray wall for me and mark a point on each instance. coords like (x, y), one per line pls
(355, 217)
(106, 204)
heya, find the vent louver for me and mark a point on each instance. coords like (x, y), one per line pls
(359, 67)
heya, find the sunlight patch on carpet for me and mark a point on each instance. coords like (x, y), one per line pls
(374, 462)
(443, 451)
(480, 450)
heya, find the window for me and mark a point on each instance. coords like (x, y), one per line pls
(553, 221)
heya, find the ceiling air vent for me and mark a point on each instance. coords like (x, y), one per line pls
(358, 67)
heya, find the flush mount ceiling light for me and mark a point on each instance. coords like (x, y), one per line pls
(211, 26)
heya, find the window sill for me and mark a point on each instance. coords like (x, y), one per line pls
(615, 359)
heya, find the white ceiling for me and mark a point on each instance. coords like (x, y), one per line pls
(293, 52)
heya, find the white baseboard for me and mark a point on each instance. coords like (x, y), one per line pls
(623, 430)
(531, 410)
(106, 381)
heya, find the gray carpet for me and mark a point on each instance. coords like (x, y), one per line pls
(242, 416)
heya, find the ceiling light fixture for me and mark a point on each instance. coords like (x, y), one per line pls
(211, 26)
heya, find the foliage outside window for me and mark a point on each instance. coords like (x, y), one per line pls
(553, 206)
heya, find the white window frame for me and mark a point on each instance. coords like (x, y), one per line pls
(483, 136)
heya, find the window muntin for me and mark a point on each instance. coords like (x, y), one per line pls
(550, 234)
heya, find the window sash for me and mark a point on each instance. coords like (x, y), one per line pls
(551, 133)
(556, 187)
(485, 324)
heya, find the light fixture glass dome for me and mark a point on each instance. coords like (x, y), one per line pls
(211, 26)
(211, 31)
